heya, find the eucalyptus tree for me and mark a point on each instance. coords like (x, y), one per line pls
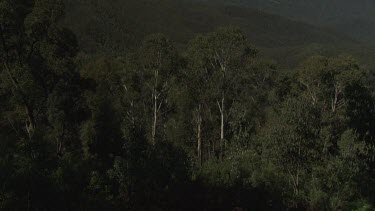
(37, 66)
(216, 64)
(249, 109)
(198, 76)
(227, 48)
(40, 90)
(158, 62)
(101, 133)
(309, 135)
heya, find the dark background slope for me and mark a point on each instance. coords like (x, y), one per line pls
(355, 18)
(113, 27)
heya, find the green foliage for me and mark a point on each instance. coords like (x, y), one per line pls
(309, 137)
(116, 27)
(218, 127)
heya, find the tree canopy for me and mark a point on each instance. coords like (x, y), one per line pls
(213, 127)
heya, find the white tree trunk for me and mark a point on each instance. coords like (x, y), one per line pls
(155, 119)
(199, 137)
(222, 132)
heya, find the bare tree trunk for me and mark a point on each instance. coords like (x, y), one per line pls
(30, 122)
(335, 100)
(154, 119)
(155, 114)
(199, 138)
(59, 147)
(221, 107)
(60, 143)
(298, 167)
(199, 144)
(213, 148)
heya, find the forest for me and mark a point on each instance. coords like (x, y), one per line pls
(105, 109)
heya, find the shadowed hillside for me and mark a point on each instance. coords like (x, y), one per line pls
(352, 18)
(116, 26)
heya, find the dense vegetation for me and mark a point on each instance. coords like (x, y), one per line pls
(116, 26)
(352, 18)
(209, 124)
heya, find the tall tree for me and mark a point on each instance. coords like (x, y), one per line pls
(216, 64)
(40, 83)
(197, 77)
(158, 62)
(311, 128)
(225, 52)
(37, 58)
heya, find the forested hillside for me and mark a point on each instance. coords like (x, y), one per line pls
(352, 18)
(171, 105)
(115, 26)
